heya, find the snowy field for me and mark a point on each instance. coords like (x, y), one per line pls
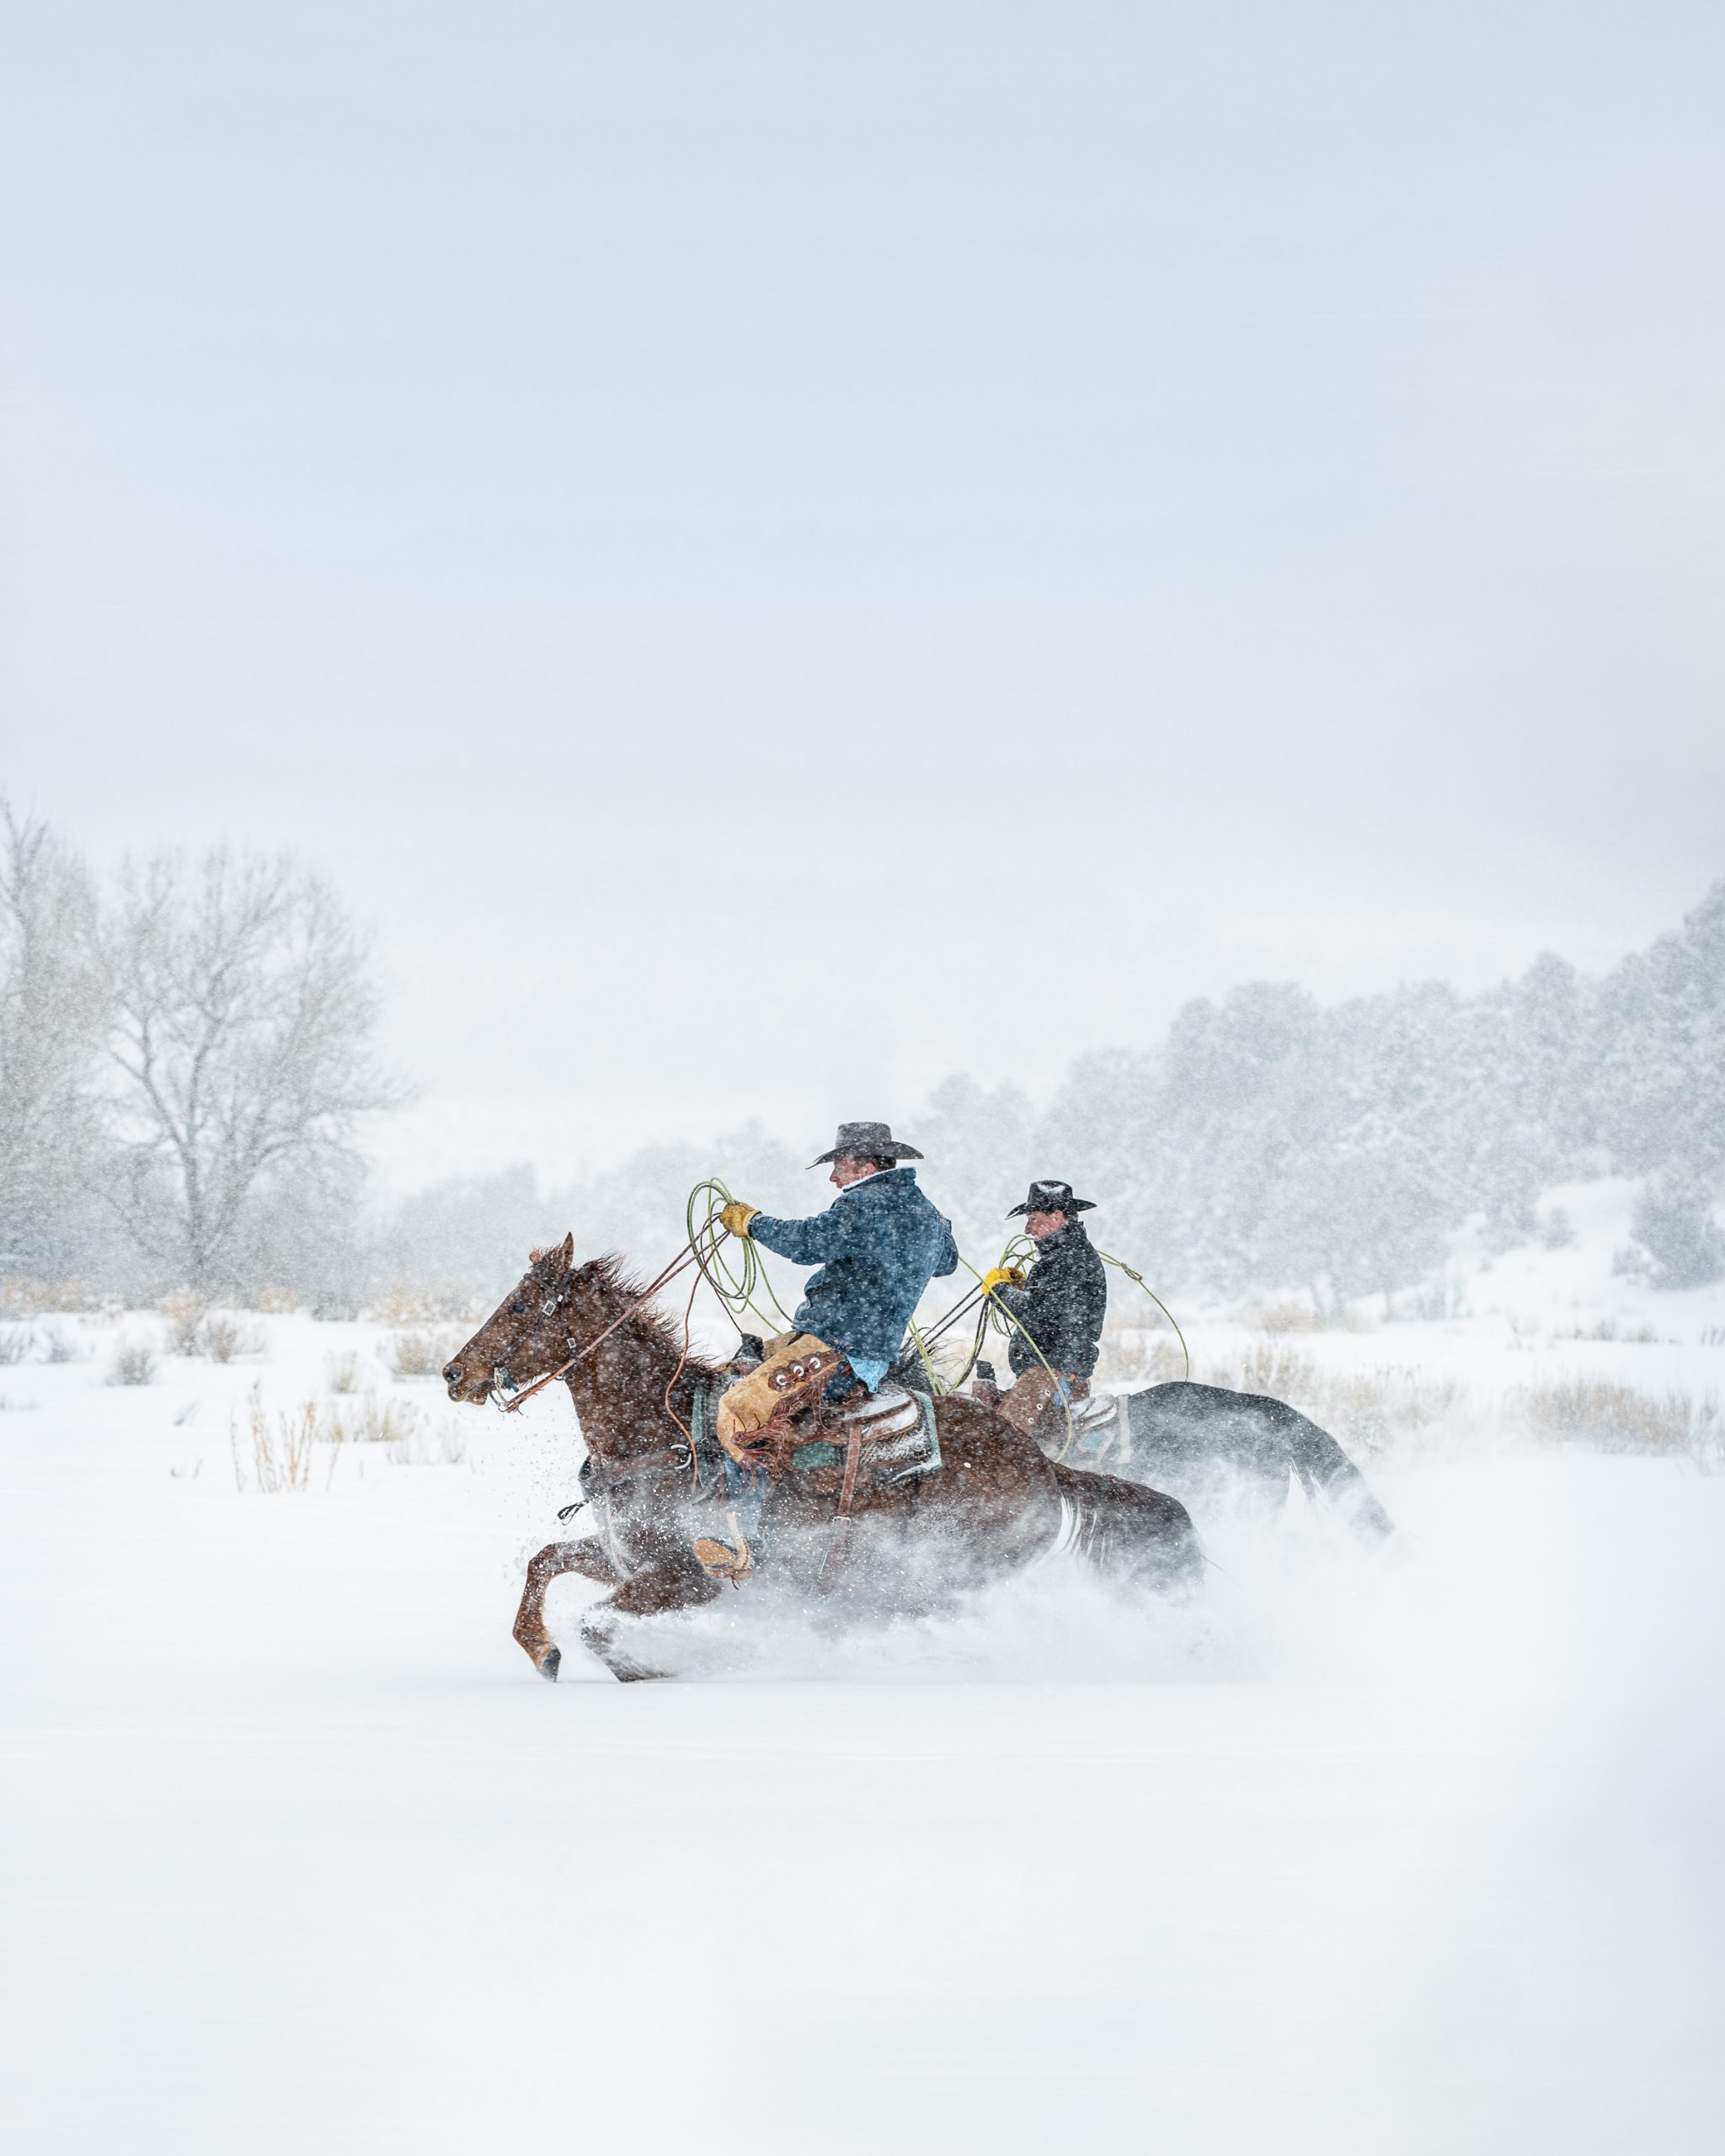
(1404, 1850)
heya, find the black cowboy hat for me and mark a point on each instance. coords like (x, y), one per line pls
(867, 1141)
(1052, 1198)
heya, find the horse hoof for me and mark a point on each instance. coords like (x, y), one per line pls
(552, 1663)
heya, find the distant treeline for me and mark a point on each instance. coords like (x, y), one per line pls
(187, 1063)
(1270, 1141)
(1273, 1140)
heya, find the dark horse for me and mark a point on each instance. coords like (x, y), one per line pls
(994, 1506)
(1208, 1446)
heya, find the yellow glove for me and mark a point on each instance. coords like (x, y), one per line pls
(1002, 1276)
(736, 1216)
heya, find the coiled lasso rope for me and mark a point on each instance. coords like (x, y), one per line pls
(730, 1265)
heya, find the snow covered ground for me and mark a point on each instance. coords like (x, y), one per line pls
(1408, 1851)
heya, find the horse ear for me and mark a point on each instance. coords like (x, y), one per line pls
(567, 1253)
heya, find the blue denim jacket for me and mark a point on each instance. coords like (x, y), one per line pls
(878, 1245)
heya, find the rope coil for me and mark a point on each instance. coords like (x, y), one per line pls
(735, 1275)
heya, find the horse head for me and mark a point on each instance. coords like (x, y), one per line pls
(525, 1337)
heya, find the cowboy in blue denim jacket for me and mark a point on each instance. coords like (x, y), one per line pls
(878, 1245)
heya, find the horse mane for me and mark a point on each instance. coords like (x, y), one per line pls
(618, 1286)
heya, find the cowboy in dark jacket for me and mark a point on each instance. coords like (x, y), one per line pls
(878, 1245)
(1059, 1304)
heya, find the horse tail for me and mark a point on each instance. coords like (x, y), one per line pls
(1132, 1533)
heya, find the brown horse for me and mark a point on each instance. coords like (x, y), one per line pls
(994, 1506)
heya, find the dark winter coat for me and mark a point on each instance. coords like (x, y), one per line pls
(878, 1245)
(1061, 1306)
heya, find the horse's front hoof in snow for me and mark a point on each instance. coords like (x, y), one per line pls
(551, 1663)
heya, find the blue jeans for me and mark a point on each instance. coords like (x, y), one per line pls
(869, 1369)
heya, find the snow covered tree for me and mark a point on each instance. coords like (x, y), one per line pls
(1674, 1223)
(51, 1014)
(1661, 1050)
(1659, 1090)
(1364, 1182)
(242, 1018)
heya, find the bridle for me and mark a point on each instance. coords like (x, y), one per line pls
(519, 1396)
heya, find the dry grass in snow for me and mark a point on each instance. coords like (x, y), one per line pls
(22, 1298)
(274, 1452)
(341, 1373)
(1373, 1406)
(283, 1446)
(223, 1339)
(419, 1306)
(421, 1354)
(185, 1313)
(1621, 1417)
(372, 1421)
(133, 1362)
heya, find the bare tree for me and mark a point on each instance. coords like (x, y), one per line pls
(51, 1013)
(242, 1041)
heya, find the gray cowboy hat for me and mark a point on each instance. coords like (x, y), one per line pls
(867, 1141)
(1052, 1198)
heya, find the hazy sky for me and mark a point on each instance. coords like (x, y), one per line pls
(780, 550)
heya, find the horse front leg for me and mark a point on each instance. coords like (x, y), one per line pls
(587, 1557)
(655, 1593)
